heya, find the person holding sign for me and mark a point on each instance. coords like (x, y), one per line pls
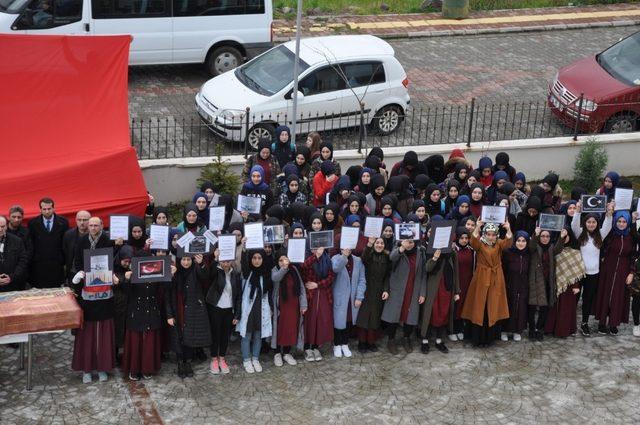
(516, 262)
(609, 184)
(377, 269)
(289, 301)
(190, 220)
(202, 204)
(137, 237)
(348, 292)
(443, 290)
(407, 290)
(256, 187)
(486, 302)
(466, 265)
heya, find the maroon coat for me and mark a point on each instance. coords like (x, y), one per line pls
(561, 321)
(318, 320)
(516, 274)
(612, 300)
(466, 265)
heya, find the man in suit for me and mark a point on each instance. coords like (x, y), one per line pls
(13, 260)
(15, 227)
(46, 232)
(70, 241)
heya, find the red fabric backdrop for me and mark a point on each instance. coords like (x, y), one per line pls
(64, 125)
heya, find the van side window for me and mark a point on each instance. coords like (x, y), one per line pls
(217, 7)
(363, 73)
(42, 14)
(321, 81)
(120, 9)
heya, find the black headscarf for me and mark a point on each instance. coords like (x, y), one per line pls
(255, 273)
(136, 222)
(333, 206)
(400, 186)
(376, 151)
(226, 201)
(435, 168)
(188, 226)
(354, 174)
(160, 210)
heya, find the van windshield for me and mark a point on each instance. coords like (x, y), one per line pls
(622, 60)
(13, 6)
(271, 72)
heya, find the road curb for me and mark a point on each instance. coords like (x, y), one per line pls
(486, 31)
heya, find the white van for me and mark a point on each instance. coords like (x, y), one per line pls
(336, 73)
(219, 33)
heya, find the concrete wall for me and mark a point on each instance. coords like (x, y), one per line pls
(172, 180)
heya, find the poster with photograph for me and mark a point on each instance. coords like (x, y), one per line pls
(98, 267)
(442, 235)
(407, 231)
(323, 239)
(551, 222)
(494, 214)
(273, 234)
(199, 244)
(249, 204)
(594, 203)
(150, 269)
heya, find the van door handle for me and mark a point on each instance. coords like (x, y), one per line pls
(86, 27)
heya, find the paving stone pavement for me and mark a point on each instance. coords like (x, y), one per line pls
(568, 381)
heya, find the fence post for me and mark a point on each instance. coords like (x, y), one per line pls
(473, 107)
(575, 130)
(361, 130)
(246, 133)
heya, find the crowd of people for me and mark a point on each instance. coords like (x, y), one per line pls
(497, 281)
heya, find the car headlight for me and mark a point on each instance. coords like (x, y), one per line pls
(587, 105)
(231, 115)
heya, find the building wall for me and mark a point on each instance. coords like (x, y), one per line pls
(173, 180)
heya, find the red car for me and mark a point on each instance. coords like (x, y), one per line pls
(604, 88)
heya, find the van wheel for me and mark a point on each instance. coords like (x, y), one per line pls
(260, 131)
(223, 59)
(387, 120)
(622, 123)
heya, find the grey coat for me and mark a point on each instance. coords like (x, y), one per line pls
(537, 288)
(277, 274)
(346, 291)
(433, 282)
(398, 283)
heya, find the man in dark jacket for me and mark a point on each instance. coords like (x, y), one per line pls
(70, 241)
(13, 260)
(46, 232)
(15, 227)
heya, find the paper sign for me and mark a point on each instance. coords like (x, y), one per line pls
(442, 237)
(214, 200)
(159, 236)
(407, 231)
(373, 227)
(255, 235)
(296, 249)
(249, 204)
(551, 222)
(323, 239)
(185, 239)
(349, 237)
(623, 198)
(273, 234)
(119, 227)
(494, 214)
(593, 203)
(227, 248)
(211, 238)
(216, 218)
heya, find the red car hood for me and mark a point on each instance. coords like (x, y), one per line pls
(588, 77)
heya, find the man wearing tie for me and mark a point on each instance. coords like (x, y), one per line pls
(47, 231)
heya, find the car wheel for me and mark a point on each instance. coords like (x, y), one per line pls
(260, 131)
(622, 123)
(223, 59)
(387, 120)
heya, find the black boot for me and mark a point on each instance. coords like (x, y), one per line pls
(188, 370)
(392, 346)
(424, 347)
(372, 347)
(181, 372)
(362, 347)
(406, 344)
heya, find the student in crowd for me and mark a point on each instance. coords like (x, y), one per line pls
(265, 159)
(466, 264)
(516, 261)
(326, 154)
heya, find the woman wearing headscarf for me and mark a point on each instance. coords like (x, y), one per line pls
(420, 211)
(255, 318)
(388, 208)
(499, 179)
(477, 199)
(326, 154)
(461, 210)
(433, 203)
(466, 265)
(323, 183)
(190, 220)
(202, 204)
(283, 148)
(527, 220)
(341, 191)
(211, 191)
(187, 312)
(374, 197)
(552, 192)
(502, 164)
(456, 159)
(420, 185)
(303, 163)
(122, 270)
(292, 194)
(375, 164)
(352, 220)
(452, 193)
(400, 186)
(409, 166)
(331, 217)
(609, 184)
(230, 214)
(460, 173)
(266, 160)
(618, 268)
(486, 304)
(364, 181)
(160, 216)
(137, 237)
(354, 205)
(434, 166)
(257, 188)
(516, 262)
(388, 234)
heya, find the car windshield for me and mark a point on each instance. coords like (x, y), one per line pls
(13, 6)
(271, 72)
(622, 60)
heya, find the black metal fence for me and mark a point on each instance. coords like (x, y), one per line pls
(476, 121)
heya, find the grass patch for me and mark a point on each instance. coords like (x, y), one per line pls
(372, 7)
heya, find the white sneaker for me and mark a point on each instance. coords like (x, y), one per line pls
(517, 337)
(504, 336)
(636, 330)
(256, 365)
(102, 376)
(337, 351)
(308, 355)
(460, 336)
(317, 355)
(248, 366)
(345, 350)
(453, 337)
(86, 378)
(290, 360)
(277, 360)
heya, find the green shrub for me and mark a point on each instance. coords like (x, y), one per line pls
(220, 173)
(590, 165)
